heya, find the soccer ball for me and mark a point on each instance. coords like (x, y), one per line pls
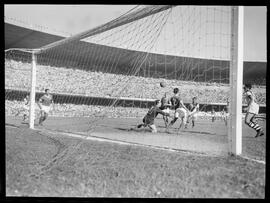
(162, 84)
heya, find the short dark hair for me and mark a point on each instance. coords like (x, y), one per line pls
(194, 98)
(175, 90)
(46, 90)
(157, 101)
(249, 86)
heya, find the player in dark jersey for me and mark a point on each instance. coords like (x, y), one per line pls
(165, 107)
(194, 109)
(149, 118)
(44, 104)
(179, 108)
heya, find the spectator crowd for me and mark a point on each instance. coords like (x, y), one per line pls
(99, 84)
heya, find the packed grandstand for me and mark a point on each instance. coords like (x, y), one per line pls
(99, 84)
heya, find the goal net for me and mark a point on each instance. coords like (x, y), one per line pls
(105, 79)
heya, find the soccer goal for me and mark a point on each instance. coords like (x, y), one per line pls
(112, 73)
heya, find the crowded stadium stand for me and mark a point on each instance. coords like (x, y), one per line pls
(96, 82)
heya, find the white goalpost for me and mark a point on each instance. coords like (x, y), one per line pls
(33, 91)
(128, 57)
(236, 81)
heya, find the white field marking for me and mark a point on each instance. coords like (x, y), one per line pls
(250, 159)
(94, 138)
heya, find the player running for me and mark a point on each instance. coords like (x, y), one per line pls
(149, 118)
(180, 109)
(252, 110)
(44, 104)
(194, 109)
(165, 107)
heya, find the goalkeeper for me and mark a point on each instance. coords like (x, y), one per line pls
(149, 118)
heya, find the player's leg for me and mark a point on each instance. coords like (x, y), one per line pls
(193, 119)
(25, 113)
(176, 116)
(183, 115)
(46, 110)
(165, 118)
(41, 117)
(248, 121)
(153, 128)
(140, 125)
(189, 118)
(182, 122)
(45, 116)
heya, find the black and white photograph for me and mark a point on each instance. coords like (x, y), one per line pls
(135, 101)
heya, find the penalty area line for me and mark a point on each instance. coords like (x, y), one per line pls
(250, 159)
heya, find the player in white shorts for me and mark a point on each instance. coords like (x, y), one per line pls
(194, 109)
(252, 110)
(181, 110)
(44, 104)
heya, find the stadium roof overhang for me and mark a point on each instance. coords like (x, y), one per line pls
(20, 37)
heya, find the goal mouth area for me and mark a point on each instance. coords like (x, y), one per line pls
(117, 130)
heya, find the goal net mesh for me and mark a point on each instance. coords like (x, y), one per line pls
(115, 70)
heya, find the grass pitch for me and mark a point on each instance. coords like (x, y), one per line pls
(42, 164)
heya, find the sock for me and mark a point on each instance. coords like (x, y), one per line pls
(173, 121)
(255, 126)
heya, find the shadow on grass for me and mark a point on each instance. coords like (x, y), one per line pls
(134, 129)
(175, 131)
(12, 125)
(201, 132)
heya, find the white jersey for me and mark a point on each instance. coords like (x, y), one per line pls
(250, 98)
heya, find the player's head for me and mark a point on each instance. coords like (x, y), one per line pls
(175, 90)
(194, 99)
(158, 103)
(47, 91)
(247, 87)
